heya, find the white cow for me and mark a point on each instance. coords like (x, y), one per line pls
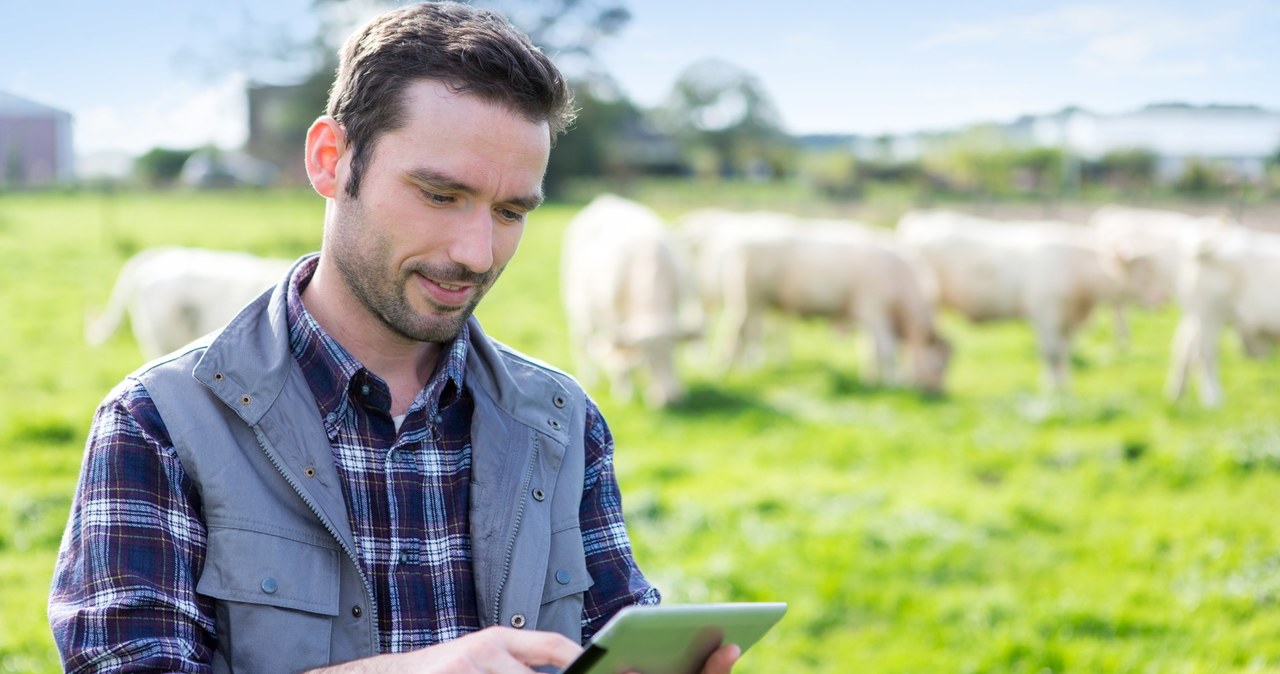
(844, 273)
(175, 295)
(1146, 246)
(710, 235)
(1045, 272)
(1230, 278)
(628, 297)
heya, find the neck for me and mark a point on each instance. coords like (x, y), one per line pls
(405, 364)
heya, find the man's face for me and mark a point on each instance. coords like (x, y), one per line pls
(441, 210)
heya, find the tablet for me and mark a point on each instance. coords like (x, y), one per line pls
(673, 639)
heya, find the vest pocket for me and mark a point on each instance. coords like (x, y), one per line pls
(276, 597)
(566, 584)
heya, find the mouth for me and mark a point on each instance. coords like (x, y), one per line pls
(444, 294)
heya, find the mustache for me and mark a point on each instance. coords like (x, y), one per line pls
(454, 273)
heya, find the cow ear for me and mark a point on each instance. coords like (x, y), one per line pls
(326, 141)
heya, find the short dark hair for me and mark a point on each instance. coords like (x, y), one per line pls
(472, 50)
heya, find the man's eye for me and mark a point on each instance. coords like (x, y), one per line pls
(511, 215)
(437, 198)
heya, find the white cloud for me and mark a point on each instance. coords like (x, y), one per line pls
(962, 34)
(1106, 36)
(182, 116)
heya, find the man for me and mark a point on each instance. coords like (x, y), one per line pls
(351, 472)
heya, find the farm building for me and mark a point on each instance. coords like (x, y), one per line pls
(1239, 139)
(35, 143)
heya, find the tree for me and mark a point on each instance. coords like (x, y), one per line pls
(160, 166)
(566, 30)
(723, 112)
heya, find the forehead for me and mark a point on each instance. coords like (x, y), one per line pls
(447, 131)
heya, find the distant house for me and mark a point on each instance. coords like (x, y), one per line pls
(1238, 139)
(35, 143)
(278, 119)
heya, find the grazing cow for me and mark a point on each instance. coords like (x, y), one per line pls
(1229, 277)
(1146, 247)
(628, 297)
(175, 295)
(1047, 273)
(710, 235)
(844, 273)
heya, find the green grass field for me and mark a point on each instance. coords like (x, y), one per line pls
(997, 529)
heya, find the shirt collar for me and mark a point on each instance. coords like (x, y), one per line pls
(332, 371)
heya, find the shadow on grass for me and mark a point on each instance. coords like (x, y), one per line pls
(707, 399)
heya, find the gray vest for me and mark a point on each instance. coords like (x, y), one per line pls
(281, 562)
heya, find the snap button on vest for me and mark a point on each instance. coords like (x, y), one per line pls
(356, 611)
(563, 577)
(245, 399)
(554, 424)
(558, 401)
(538, 494)
(269, 585)
(517, 621)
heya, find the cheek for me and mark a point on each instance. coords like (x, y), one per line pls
(506, 240)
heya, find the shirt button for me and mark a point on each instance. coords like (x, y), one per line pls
(269, 585)
(563, 577)
(364, 389)
(437, 419)
(404, 557)
(330, 417)
(356, 611)
(517, 621)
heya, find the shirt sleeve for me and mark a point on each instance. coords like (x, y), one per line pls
(123, 596)
(618, 581)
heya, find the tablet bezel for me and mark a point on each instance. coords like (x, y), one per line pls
(674, 638)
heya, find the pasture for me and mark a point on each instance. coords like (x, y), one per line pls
(996, 529)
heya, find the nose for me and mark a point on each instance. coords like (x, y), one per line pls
(471, 241)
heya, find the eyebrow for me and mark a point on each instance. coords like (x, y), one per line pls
(444, 181)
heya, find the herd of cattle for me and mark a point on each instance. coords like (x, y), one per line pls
(636, 288)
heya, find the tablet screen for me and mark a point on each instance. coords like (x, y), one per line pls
(673, 639)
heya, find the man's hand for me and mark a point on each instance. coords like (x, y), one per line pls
(721, 662)
(493, 650)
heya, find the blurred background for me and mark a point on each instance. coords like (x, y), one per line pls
(1046, 100)
(1001, 526)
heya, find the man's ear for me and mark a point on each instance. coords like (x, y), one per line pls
(326, 142)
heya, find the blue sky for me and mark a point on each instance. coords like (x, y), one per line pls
(140, 73)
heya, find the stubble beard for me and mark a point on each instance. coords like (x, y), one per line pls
(366, 269)
(386, 296)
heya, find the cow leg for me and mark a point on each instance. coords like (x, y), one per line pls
(880, 364)
(1121, 323)
(741, 331)
(584, 356)
(1055, 352)
(1210, 384)
(620, 370)
(663, 386)
(1183, 351)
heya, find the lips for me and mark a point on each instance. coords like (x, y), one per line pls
(444, 294)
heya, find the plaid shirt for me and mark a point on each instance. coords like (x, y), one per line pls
(123, 592)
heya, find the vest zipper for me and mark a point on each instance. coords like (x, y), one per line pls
(511, 544)
(315, 510)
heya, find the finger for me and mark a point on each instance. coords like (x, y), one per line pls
(721, 662)
(541, 648)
